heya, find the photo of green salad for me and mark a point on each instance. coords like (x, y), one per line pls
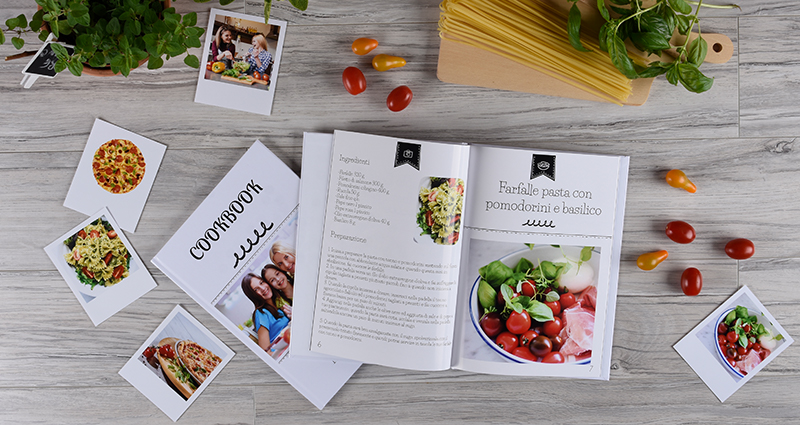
(441, 200)
(98, 255)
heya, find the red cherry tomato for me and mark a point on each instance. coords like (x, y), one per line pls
(149, 352)
(399, 98)
(117, 273)
(567, 300)
(111, 234)
(507, 341)
(553, 327)
(362, 46)
(518, 323)
(492, 324)
(82, 233)
(692, 282)
(166, 351)
(650, 260)
(740, 249)
(528, 289)
(94, 234)
(558, 342)
(354, 80)
(677, 178)
(540, 346)
(680, 231)
(732, 337)
(524, 353)
(526, 338)
(554, 305)
(554, 357)
(722, 328)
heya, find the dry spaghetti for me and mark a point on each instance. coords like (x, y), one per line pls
(533, 33)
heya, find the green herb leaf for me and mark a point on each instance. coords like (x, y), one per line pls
(61, 65)
(113, 27)
(672, 77)
(539, 311)
(523, 265)
(684, 24)
(59, 50)
(495, 273)
(586, 253)
(619, 57)
(650, 42)
(601, 6)
(267, 8)
(2, 37)
(75, 67)
(299, 4)
(487, 295)
(574, 28)
(680, 6)
(155, 62)
(552, 296)
(17, 42)
(698, 49)
(654, 70)
(190, 19)
(656, 24)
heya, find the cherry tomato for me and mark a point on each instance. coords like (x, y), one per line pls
(732, 337)
(528, 289)
(540, 346)
(747, 328)
(82, 233)
(507, 341)
(354, 80)
(256, 75)
(108, 257)
(166, 351)
(554, 305)
(149, 352)
(554, 357)
(386, 62)
(524, 353)
(721, 338)
(722, 328)
(518, 323)
(567, 300)
(94, 234)
(677, 178)
(88, 273)
(692, 282)
(117, 273)
(650, 260)
(553, 327)
(680, 232)
(399, 98)
(558, 342)
(526, 338)
(501, 302)
(491, 324)
(362, 46)
(740, 249)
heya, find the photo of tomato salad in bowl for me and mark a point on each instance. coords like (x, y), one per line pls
(441, 200)
(742, 342)
(98, 256)
(538, 304)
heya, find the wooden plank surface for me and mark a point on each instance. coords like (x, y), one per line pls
(737, 143)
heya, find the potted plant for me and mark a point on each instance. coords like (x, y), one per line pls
(114, 36)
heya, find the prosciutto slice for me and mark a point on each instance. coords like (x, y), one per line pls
(749, 362)
(588, 298)
(578, 330)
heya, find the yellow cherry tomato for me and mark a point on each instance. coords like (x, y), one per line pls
(650, 260)
(362, 46)
(218, 67)
(386, 62)
(677, 178)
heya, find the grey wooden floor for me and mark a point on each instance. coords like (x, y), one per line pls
(737, 143)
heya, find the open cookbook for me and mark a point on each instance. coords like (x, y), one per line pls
(431, 255)
(235, 256)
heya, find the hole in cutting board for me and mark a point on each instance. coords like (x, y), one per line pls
(717, 47)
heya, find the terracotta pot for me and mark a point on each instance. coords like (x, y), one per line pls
(106, 70)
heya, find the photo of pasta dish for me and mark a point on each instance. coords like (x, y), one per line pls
(98, 255)
(440, 211)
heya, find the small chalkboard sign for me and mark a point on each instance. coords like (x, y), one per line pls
(44, 62)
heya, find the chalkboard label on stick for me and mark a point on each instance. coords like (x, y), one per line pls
(44, 62)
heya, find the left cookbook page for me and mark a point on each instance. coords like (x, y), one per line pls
(235, 257)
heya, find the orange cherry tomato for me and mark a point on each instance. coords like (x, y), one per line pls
(354, 80)
(362, 46)
(650, 260)
(399, 98)
(386, 62)
(691, 281)
(677, 178)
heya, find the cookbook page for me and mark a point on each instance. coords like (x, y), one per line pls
(235, 256)
(536, 282)
(386, 290)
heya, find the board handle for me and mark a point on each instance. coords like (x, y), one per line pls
(720, 47)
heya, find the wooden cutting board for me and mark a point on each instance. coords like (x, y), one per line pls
(467, 65)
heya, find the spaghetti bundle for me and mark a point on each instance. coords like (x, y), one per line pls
(533, 33)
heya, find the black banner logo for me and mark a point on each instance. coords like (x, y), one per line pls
(407, 153)
(543, 165)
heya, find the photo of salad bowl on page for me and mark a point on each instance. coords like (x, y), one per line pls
(441, 201)
(538, 304)
(744, 339)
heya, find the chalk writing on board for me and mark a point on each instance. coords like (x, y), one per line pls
(44, 63)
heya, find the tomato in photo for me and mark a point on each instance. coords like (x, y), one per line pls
(399, 98)
(557, 341)
(553, 327)
(166, 351)
(692, 282)
(528, 289)
(567, 300)
(680, 232)
(524, 353)
(149, 352)
(526, 338)
(492, 324)
(740, 249)
(540, 346)
(354, 80)
(732, 337)
(555, 306)
(554, 357)
(518, 323)
(507, 341)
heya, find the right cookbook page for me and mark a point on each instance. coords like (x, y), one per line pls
(540, 261)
